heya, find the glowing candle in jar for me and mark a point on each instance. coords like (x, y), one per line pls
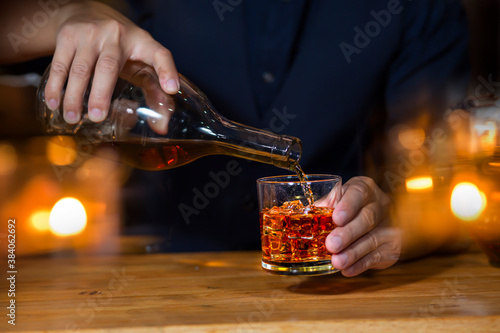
(416, 184)
(68, 217)
(467, 201)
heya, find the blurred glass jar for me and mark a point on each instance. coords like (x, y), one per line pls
(480, 173)
(484, 125)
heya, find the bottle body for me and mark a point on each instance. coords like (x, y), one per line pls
(155, 131)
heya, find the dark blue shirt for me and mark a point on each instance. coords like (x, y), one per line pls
(273, 31)
(336, 74)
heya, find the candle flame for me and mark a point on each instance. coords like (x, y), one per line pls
(68, 217)
(467, 201)
(419, 184)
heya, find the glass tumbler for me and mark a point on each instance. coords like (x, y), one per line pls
(293, 231)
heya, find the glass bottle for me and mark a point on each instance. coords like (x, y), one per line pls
(154, 131)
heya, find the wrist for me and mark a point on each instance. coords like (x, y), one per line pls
(70, 10)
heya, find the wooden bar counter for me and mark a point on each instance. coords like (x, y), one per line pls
(229, 292)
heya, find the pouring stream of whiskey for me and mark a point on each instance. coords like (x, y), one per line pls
(306, 187)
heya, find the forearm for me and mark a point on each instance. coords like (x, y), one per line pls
(29, 28)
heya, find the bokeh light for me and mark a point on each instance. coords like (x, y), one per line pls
(40, 220)
(416, 184)
(68, 217)
(495, 196)
(8, 159)
(467, 201)
(61, 150)
(411, 138)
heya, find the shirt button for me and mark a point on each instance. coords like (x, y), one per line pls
(268, 77)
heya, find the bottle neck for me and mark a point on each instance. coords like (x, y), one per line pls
(286, 152)
(258, 145)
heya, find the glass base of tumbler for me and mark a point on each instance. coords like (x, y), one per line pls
(303, 268)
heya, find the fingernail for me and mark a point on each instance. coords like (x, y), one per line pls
(341, 259)
(340, 217)
(95, 114)
(70, 117)
(172, 86)
(336, 243)
(52, 104)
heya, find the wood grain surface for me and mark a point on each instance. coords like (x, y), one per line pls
(229, 292)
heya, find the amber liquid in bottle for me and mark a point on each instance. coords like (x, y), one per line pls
(171, 153)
